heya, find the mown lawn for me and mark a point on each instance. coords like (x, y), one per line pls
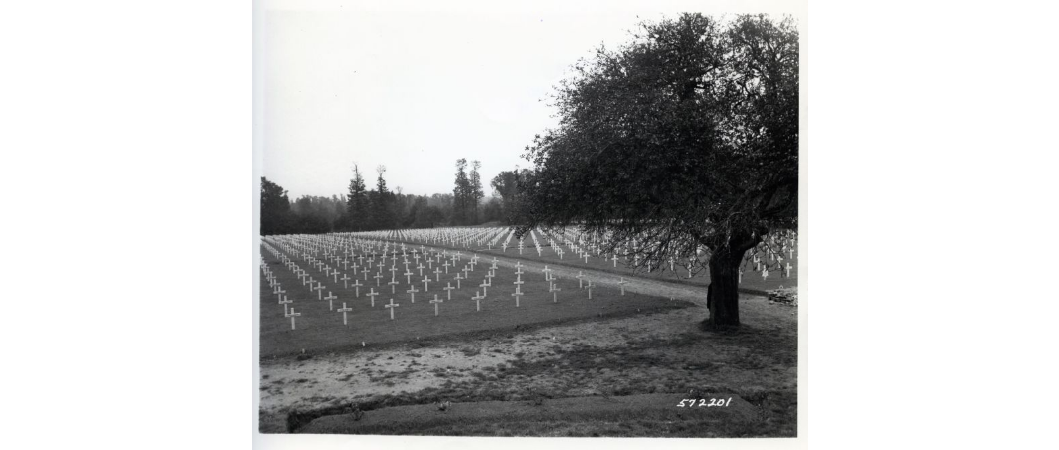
(320, 328)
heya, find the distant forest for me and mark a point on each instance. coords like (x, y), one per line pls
(380, 208)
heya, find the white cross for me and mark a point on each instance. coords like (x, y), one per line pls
(345, 281)
(622, 284)
(331, 300)
(547, 273)
(448, 290)
(393, 286)
(788, 269)
(292, 315)
(285, 302)
(477, 301)
(425, 281)
(517, 294)
(590, 289)
(319, 291)
(344, 310)
(356, 286)
(553, 289)
(392, 305)
(435, 301)
(458, 281)
(413, 292)
(372, 294)
(580, 280)
(614, 259)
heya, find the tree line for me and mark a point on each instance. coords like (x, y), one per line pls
(380, 208)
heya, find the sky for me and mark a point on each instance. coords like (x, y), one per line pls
(415, 90)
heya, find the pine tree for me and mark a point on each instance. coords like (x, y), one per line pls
(357, 203)
(460, 193)
(474, 190)
(381, 207)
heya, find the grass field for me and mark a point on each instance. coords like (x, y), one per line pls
(319, 327)
(752, 281)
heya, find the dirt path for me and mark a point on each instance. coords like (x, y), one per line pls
(570, 410)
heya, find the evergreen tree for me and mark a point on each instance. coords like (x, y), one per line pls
(357, 203)
(474, 190)
(461, 193)
(381, 203)
(275, 208)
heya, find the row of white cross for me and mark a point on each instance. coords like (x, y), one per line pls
(313, 285)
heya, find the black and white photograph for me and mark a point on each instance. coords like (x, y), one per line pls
(472, 225)
(553, 223)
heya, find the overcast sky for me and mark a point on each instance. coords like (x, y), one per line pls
(415, 91)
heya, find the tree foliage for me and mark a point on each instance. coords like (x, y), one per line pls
(382, 201)
(474, 190)
(510, 186)
(682, 140)
(275, 208)
(357, 202)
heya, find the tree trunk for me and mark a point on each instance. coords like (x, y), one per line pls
(722, 296)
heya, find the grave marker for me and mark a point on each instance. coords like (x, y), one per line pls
(435, 301)
(330, 300)
(292, 315)
(448, 290)
(344, 310)
(391, 306)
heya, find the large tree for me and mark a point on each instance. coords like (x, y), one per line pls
(382, 203)
(681, 142)
(474, 190)
(275, 208)
(461, 193)
(509, 185)
(357, 203)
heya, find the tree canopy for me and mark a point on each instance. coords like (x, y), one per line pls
(682, 140)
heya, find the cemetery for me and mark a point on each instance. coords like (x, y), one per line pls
(376, 312)
(638, 279)
(771, 265)
(340, 333)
